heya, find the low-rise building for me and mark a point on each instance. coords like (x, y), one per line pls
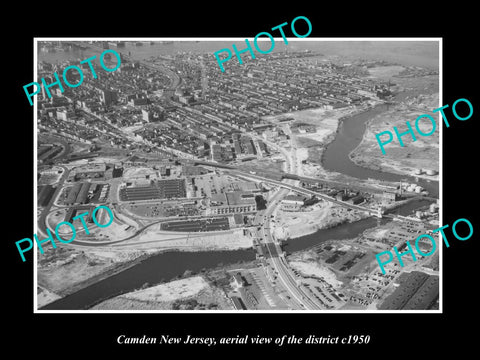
(232, 202)
(293, 202)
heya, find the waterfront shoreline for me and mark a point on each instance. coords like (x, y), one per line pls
(391, 166)
(96, 278)
(145, 264)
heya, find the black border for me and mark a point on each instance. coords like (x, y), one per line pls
(90, 334)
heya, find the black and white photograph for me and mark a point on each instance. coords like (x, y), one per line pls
(213, 180)
(262, 187)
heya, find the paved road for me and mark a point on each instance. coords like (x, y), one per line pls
(286, 175)
(42, 219)
(276, 259)
(298, 298)
(304, 191)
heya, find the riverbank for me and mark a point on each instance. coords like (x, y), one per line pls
(154, 270)
(345, 270)
(423, 154)
(76, 269)
(310, 145)
(314, 150)
(191, 293)
(328, 125)
(322, 215)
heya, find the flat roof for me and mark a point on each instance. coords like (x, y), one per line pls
(240, 198)
(294, 198)
(91, 167)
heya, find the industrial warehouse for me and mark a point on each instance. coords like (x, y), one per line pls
(85, 192)
(233, 202)
(160, 189)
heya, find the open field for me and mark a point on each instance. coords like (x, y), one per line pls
(192, 293)
(65, 270)
(322, 215)
(45, 296)
(312, 268)
(155, 238)
(421, 154)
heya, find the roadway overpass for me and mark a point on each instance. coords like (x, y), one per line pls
(305, 191)
(274, 256)
(276, 175)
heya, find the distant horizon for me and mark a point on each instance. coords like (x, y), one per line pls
(413, 52)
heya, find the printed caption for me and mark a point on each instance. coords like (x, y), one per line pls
(246, 340)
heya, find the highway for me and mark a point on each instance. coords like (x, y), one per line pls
(297, 297)
(46, 210)
(276, 260)
(262, 219)
(298, 189)
(287, 175)
(303, 191)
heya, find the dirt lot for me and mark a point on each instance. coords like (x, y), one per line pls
(193, 293)
(65, 270)
(421, 154)
(322, 215)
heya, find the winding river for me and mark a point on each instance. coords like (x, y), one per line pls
(155, 269)
(349, 136)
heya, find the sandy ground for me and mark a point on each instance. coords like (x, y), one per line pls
(125, 219)
(311, 268)
(194, 291)
(45, 297)
(139, 172)
(173, 290)
(303, 169)
(326, 122)
(132, 129)
(63, 269)
(155, 238)
(325, 119)
(321, 215)
(310, 146)
(97, 160)
(115, 231)
(421, 154)
(378, 234)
